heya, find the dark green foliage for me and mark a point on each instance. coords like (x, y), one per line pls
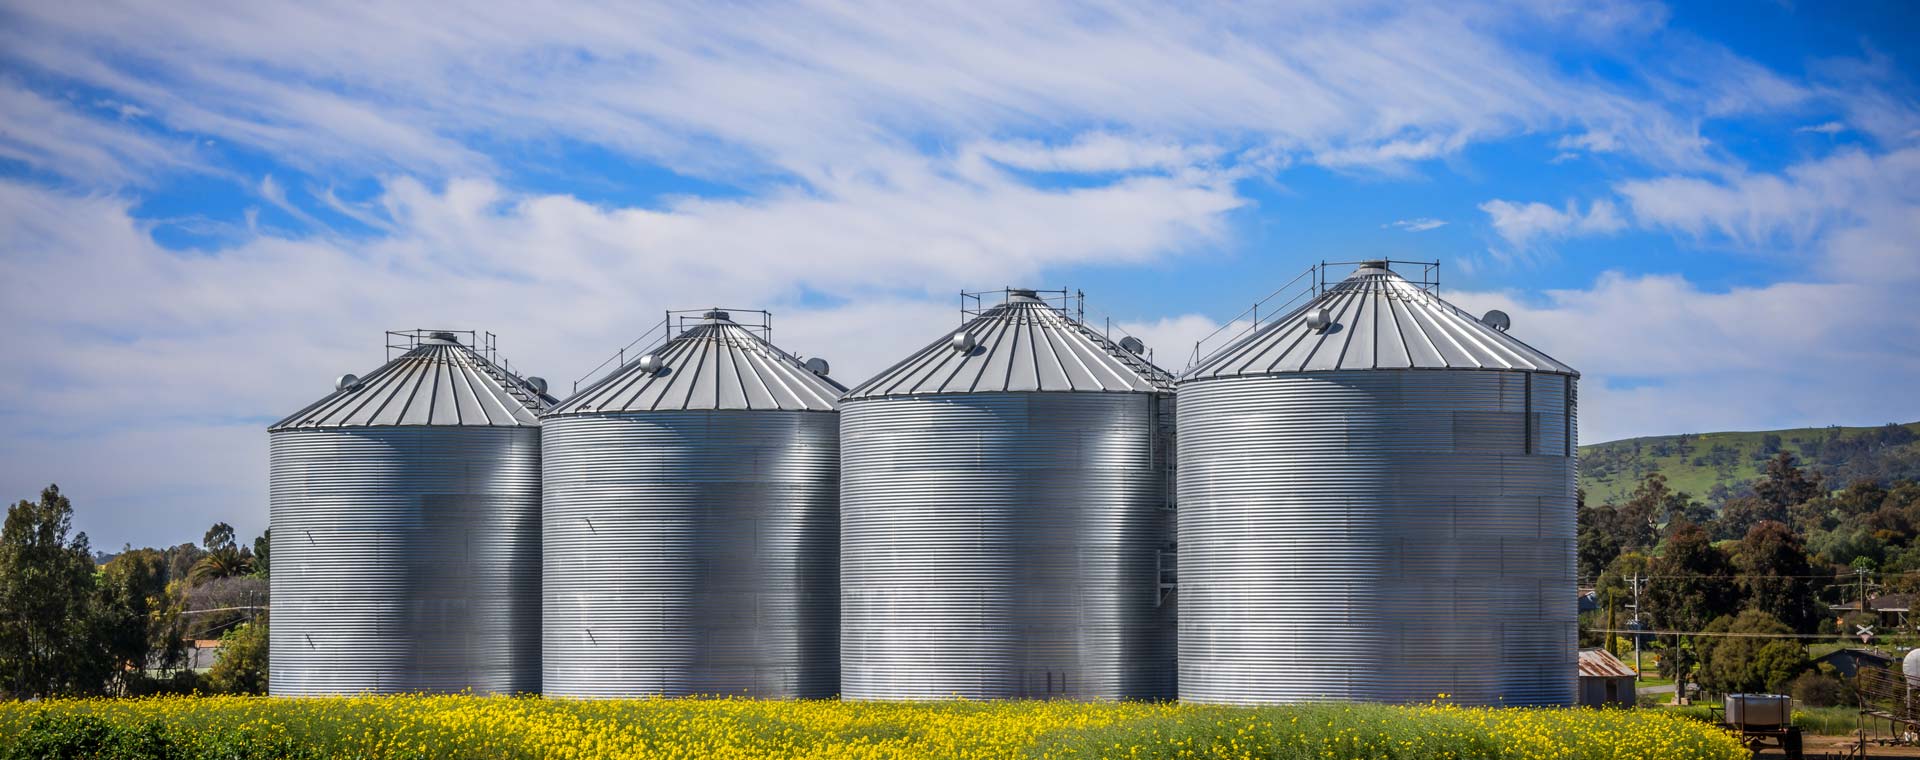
(1785, 485)
(261, 546)
(1778, 578)
(135, 620)
(69, 736)
(223, 557)
(1694, 586)
(85, 737)
(47, 646)
(1599, 541)
(1815, 689)
(242, 667)
(1749, 664)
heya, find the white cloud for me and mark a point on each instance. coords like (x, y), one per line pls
(811, 90)
(1849, 210)
(1421, 224)
(1825, 128)
(53, 136)
(872, 144)
(1524, 224)
(1660, 354)
(116, 343)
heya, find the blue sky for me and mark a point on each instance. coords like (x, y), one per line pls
(208, 211)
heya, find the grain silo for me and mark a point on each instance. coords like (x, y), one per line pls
(1377, 504)
(691, 525)
(405, 509)
(1005, 516)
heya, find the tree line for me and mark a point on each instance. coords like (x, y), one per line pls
(73, 625)
(1747, 578)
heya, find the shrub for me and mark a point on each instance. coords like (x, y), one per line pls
(1820, 690)
(53, 736)
(242, 666)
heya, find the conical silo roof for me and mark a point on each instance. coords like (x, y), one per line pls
(1375, 319)
(1023, 345)
(438, 382)
(716, 364)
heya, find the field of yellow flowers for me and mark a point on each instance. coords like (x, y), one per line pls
(503, 727)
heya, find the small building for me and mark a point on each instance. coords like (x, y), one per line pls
(1605, 681)
(1891, 609)
(1848, 662)
(202, 653)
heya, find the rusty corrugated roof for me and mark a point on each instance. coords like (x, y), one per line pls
(1601, 663)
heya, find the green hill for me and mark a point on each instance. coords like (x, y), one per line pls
(1698, 463)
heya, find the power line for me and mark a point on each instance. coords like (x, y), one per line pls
(1722, 634)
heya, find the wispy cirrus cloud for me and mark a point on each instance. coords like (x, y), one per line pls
(808, 90)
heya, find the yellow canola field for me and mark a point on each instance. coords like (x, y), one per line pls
(503, 727)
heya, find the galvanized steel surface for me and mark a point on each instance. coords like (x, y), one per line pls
(1376, 319)
(405, 559)
(440, 382)
(1004, 545)
(691, 552)
(717, 364)
(1021, 345)
(1378, 536)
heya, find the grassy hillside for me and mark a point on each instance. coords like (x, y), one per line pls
(1698, 462)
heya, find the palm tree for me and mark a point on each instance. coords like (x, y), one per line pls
(224, 558)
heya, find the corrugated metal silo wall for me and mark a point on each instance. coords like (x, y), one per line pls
(1004, 545)
(1377, 536)
(692, 552)
(405, 559)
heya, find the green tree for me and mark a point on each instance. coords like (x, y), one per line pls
(1785, 485)
(1639, 519)
(261, 546)
(181, 559)
(1692, 585)
(1753, 655)
(223, 558)
(1598, 542)
(136, 620)
(1778, 577)
(46, 584)
(242, 664)
(1741, 513)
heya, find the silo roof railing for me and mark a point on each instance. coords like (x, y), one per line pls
(436, 380)
(709, 361)
(1024, 344)
(1374, 319)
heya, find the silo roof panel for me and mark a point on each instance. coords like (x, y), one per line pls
(714, 365)
(1023, 345)
(1379, 321)
(436, 383)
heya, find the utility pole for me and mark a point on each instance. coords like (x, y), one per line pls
(1636, 620)
(1607, 640)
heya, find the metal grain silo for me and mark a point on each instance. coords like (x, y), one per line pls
(1377, 504)
(405, 509)
(691, 525)
(1005, 515)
